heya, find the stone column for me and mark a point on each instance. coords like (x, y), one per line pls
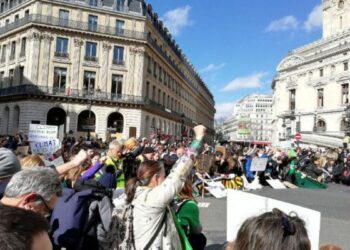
(76, 63)
(103, 85)
(46, 54)
(139, 72)
(131, 73)
(34, 47)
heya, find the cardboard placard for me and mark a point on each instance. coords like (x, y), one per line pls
(217, 189)
(38, 132)
(205, 162)
(259, 164)
(46, 147)
(22, 150)
(254, 205)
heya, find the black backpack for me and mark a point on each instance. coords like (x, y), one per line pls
(73, 224)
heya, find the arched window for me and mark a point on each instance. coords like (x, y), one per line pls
(115, 122)
(86, 121)
(56, 116)
(321, 126)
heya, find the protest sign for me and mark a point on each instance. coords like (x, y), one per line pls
(254, 205)
(259, 164)
(38, 132)
(46, 147)
(217, 189)
(276, 184)
(205, 162)
(22, 150)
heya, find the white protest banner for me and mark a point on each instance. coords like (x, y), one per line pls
(253, 205)
(259, 164)
(38, 132)
(217, 189)
(47, 147)
(276, 184)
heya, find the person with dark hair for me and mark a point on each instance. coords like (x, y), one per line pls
(272, 231)
(23, 230)
(150, 194)
(9, 165)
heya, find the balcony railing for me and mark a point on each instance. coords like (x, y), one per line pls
(118, 62)
(75, 93)
(91, 58)
(76, 25)
(61, 54)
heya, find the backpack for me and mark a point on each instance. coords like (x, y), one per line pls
(72, 224)
(123, 229)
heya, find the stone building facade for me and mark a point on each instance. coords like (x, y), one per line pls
(251, 119)
(311, 88)
(99, 67)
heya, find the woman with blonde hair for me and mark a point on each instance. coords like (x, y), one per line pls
(31, 161)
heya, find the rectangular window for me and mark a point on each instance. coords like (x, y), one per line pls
(119, 27)
(346, 66)
(60, 80)
(16, 18)
(7, 21)
(13, 51)
(154, 93)
(92, 23)
(89, 82)
(321, 72)
(2, 74)
(23, 47)
(159, 96)
(320, 98)
(64, 17)
(120, 5)
(147, 90)
(93, 3)
(90, 51)
(149, 65)
(21, 74)
(160, 74)
(2, 7)
(292, 99)
(11, 73)
(118, 55)
(61, 47)
(155, 69)
(3, 53)
(11, 4)
(117, 85)
(345, 94)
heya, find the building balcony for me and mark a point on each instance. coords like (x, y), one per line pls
(50, 21)
(29, 89)
(91, 58)
(61, 54)
(118, 62)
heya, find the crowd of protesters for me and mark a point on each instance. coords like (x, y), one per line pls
(140, 194)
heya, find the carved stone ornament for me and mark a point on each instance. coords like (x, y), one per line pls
(78, 42)
(290, 62)
(46, 36)
(106, 46)
(35, 36)
(137, 50)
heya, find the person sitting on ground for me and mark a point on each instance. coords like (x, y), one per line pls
(9, 165)
(23, 230)
(272, 231)
(313, 169)
(35, 189)
(151, 193)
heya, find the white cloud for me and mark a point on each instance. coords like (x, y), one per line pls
(314, 20)
(283, 24)
(212, 67)
(224, 110)
(177, 19)
(246, 82)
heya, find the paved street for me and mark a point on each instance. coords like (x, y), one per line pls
(333, 203)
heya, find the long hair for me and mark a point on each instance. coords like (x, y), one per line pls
(186, 191)
(144, 175)
(31, 161)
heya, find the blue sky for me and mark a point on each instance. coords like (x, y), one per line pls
(236, 45)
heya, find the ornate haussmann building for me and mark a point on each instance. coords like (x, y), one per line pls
(251, 119)
(99, 67)
(311, 89)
